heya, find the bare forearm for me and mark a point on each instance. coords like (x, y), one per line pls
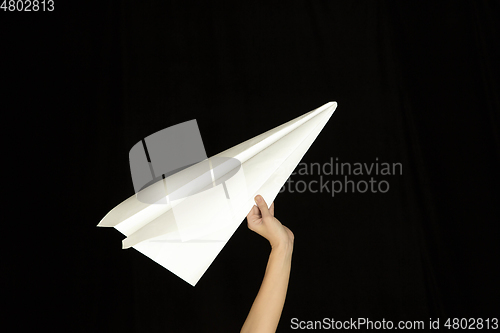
(266, 309)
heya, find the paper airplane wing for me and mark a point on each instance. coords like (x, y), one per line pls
(205, 203)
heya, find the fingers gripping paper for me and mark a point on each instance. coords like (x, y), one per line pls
(201, 206)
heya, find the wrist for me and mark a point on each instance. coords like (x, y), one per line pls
(284, 247)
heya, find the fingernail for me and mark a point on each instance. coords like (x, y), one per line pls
(258, 198)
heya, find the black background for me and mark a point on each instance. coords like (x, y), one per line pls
(416, 84)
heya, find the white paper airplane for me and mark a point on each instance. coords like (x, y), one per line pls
(200, 210)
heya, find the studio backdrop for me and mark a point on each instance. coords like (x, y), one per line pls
(394, 208)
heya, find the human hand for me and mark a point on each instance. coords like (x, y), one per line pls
(261, 220)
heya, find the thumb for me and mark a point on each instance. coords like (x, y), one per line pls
(261, 203)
